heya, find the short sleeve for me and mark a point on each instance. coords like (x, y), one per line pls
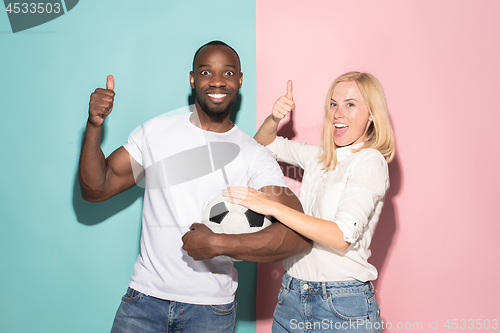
(362, 198)
(293, 152)
(134, 145)
(265, 171)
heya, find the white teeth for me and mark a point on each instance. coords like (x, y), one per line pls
(340, 125)
(217, 95)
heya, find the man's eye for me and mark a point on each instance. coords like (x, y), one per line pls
(229, 73)
(205, 72)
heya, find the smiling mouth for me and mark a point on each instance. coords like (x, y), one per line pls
(340, 129)
(217, 96)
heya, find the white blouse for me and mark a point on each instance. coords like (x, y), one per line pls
(352, 196)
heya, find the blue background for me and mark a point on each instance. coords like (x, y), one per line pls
(66, 262)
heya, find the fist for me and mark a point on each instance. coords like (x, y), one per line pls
(199, 242)
(101, 102)
(284, 104)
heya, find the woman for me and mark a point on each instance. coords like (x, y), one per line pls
(342, 193)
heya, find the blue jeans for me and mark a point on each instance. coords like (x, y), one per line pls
(139, 313)
(344, 306)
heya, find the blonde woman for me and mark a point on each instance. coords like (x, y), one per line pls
(345, 180)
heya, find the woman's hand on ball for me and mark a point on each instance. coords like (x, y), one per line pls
(250, 198)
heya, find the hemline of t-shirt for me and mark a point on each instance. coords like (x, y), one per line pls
(181, 298)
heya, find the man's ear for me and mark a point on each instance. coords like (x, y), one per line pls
(191, 79)
(241, 80)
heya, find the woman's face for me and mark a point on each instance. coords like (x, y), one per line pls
(349, 114)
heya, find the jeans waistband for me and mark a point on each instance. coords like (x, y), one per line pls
(325, 288)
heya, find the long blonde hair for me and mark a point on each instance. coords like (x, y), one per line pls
(379, 135)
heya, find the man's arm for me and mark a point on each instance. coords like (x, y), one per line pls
(272, 244)
(101, 178)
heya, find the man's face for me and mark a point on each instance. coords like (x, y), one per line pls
(216, 79)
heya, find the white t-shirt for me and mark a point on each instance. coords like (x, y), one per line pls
(185, 168)
(352, 196)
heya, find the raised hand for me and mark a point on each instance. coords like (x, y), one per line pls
(284, 104)
(101, 102)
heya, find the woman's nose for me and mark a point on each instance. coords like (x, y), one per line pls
(338, 113)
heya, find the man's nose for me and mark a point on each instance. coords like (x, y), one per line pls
(218, 81)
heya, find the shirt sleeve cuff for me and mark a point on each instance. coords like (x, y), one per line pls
(134, 151)
(274, 146)
(350, 227)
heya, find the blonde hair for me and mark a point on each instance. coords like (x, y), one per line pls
(379, 135)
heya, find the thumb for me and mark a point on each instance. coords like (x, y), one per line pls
(110, 82)
(289, 89)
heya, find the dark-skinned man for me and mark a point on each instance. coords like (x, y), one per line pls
(179, 282)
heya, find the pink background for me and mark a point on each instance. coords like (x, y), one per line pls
(436, 246)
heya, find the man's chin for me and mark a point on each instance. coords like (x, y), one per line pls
(216, 114)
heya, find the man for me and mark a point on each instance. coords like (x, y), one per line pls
(176, 287)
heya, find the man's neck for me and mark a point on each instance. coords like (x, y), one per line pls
(203, 121)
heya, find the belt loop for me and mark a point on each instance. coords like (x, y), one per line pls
(323, 285)
(287, 284)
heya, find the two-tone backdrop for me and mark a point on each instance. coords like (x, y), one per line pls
(65, 262)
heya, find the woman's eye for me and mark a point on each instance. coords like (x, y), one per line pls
(350, 105)
(333, 105)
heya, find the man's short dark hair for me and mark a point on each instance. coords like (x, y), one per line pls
(216, 43)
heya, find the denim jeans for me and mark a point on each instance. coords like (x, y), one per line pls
(344, 306)
(139, 313)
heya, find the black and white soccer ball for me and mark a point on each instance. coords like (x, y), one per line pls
(223, 217)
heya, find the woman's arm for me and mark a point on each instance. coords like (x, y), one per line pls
(318, 230)
(365, 189)
(267, 131)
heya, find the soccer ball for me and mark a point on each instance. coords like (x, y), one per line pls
(223, 217)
